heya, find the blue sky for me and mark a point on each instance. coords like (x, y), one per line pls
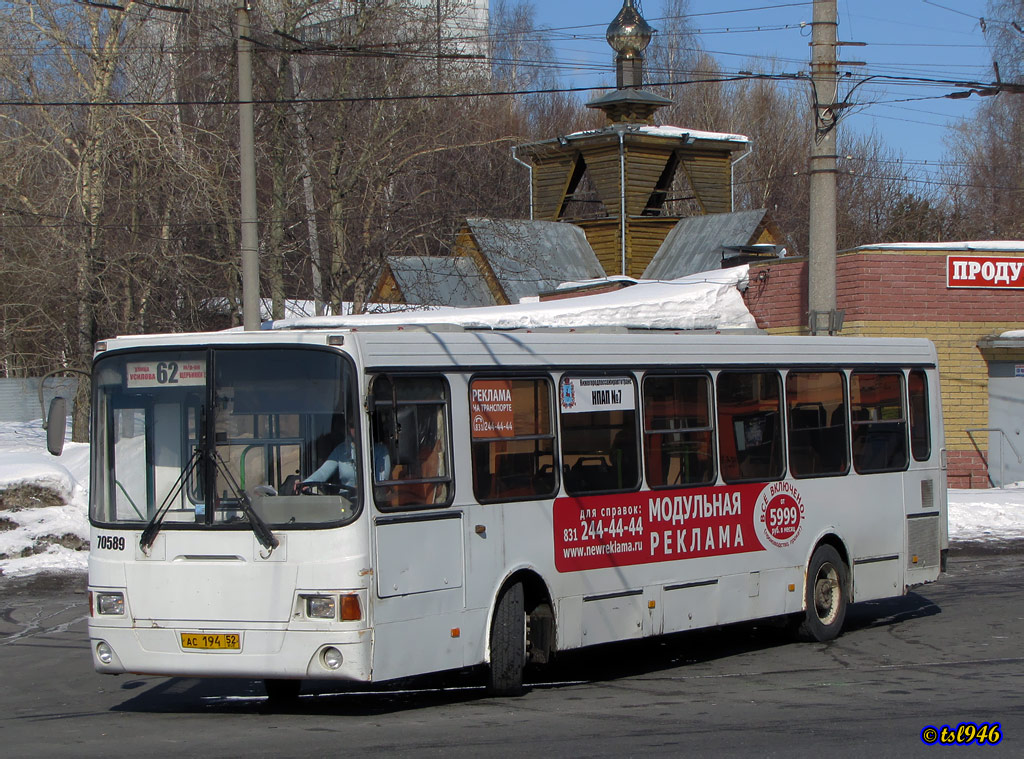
(933, 39)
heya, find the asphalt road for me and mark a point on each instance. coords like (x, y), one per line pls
(948, 653)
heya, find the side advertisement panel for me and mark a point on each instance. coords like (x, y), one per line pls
(596, 532)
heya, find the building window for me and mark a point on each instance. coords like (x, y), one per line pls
(513, 439)
(411, 449)
(678, 431)
(816, 424)
(879, 423)
(599, 441)
(920, 426)
(749, 429)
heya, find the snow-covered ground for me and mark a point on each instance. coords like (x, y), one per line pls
(30, 517)
(29, 522)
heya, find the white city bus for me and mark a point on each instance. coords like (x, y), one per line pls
(510, 494)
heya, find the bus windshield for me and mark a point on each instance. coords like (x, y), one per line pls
(204, 438)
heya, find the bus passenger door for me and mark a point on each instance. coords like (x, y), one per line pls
(924, 486)
(419, 588)
(417, 536)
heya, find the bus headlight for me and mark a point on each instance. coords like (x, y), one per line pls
(321, 607)
(331, 657)
(110, 604)
(103, 653)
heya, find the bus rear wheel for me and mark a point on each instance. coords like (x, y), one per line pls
(826, 593)
(508, 643)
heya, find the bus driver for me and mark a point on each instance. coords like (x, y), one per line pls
(340, 468)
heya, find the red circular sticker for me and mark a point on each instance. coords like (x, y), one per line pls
(781, 513)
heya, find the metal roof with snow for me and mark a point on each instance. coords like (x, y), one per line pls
(531, 257)
(440, 281)
(698, 243)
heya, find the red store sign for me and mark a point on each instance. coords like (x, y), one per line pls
(1003, 272)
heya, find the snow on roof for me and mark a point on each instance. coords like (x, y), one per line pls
(709, 301)
(679, 132)
(615, 278)
(666, 131)
(1013, 334)
(1013, 246)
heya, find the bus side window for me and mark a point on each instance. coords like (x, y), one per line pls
(879, 422)
(513, 439)
(678, 431)
(599, 442)
(409, 436)
(816, 414)
(920, 427)
(749, 432)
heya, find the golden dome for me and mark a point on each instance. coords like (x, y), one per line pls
(629, 35)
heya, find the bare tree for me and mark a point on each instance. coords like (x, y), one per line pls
(773, 115)
(880, 199)
(72, 52)
(986, 169)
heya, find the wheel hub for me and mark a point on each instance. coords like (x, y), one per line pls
(826, 594)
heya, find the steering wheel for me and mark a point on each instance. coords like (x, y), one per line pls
(331, 488)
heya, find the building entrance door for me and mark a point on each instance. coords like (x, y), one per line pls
(1006, 420)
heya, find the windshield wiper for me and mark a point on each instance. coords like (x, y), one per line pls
(263, 534)
(149, 534)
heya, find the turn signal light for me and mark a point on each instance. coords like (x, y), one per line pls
(350, 609)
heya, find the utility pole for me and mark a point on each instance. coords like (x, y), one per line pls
(821, 269)
(247, 172)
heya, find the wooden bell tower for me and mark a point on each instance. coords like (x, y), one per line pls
(616, 182)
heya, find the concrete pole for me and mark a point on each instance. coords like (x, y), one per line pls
(247, 172)
(821, 269)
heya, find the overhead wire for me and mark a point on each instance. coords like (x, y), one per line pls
(704, 78)
(884, 74)
(578, 67)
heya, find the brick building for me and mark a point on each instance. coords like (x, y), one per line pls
(965, 297)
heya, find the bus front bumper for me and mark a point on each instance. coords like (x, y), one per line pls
(258, 652)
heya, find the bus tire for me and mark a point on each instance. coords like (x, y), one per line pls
(826, 591)
(508, 644)
(282, 692)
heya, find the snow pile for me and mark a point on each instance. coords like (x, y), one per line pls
(707, 301)
(43, 502)
(996, 514)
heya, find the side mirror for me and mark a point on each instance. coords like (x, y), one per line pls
(56, 425)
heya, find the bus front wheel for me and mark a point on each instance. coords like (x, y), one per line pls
(825, 595)
(508, 643)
